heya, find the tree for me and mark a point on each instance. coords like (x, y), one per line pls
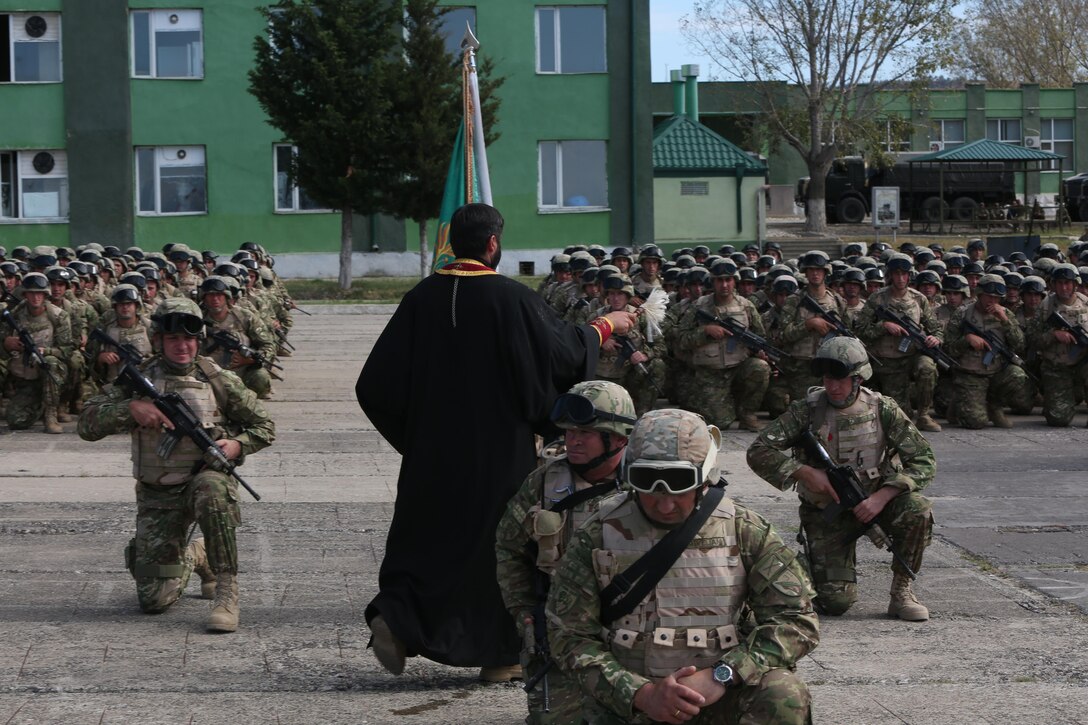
(822, 69)
(426, 114)
(1009, 42)
(323, 74)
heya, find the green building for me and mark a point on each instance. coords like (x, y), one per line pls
(130, 122)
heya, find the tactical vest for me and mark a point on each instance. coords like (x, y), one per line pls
(909, 306)
(727, 352)
(188, 282)
(644, 288)
(690, 617)
(550, 530)
(806, 347)
(197, 390)
(137, 336)
(41, 328)
(1075, 314)
(853, 436)
(233, 323)
(612, 364)
(972, 360)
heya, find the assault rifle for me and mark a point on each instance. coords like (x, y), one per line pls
(536, 641)
(230, 342)
(832, 318)
(627, 349)
(750, 339)
(848, 488)
(291, 304)
(1079, 334)
(185, 422)
(31, 354)
(282, 335)
(996, 347)
(125, 351)
(916, 336)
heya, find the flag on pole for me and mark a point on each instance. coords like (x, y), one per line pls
(468, 180)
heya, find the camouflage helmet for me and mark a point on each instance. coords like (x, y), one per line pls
(124, 293)
(619, 282)
(955, 283)
(610, 408)
(56, 273)
(1033, 284)
(842, 357)
(671, 435)
(815, 259)
(178, 314)
(899, 262)
(992, 284)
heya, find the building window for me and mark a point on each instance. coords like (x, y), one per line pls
(896, 136)
(453, 28)
(289, 197)
(570, 39)
(171, 180)
(1056, 136)
(1005, 130)
(33, 184)
(949, 132)
(167, 44)
(30, 44)
(573, 175)
(694, 188)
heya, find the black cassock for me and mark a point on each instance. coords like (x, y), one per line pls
(458, 382)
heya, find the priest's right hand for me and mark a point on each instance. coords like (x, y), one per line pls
(622, 322)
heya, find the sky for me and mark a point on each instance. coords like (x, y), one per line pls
(668, 50)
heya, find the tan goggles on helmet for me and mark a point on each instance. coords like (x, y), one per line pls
(663, 476)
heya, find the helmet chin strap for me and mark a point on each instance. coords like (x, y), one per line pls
(855, 388)
(583, 468)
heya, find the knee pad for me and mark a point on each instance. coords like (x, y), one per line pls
(835, 598)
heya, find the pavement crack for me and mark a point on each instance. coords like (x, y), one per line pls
(17, 711)
(339, 644)
(882, 707)
(102, 717)
(185, 651)
(106, 653)
(25, 658)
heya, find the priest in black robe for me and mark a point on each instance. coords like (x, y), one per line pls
(461, 378)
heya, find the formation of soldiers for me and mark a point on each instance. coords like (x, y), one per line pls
(955, 334)
(70, 301)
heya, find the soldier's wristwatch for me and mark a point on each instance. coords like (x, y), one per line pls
(723, 674)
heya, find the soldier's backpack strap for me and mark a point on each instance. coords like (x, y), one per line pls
(214, 375)
(631, 585)
(586, 494)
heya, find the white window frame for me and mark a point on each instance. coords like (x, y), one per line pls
(294, 187)
(557, 40)
(153, 13)
(938, 126)
(17, 20)
(895, 147)
(24, 157)
(158, 181)
(1047, 144)
(560, 208)
(1002, 131)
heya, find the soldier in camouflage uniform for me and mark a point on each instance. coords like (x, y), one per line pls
(1064, 364)
(898, 369)
(870, 433)
(188, 280)
(246, 326)
(686, 652)
(650, 260)
(170, 497)
(622, 366)
(986, 381)
(777, 397)
(128, 326)
(61, 280)
(954, 288)
(553, 502)
(729, 378)
(853, 284)
(36, 392)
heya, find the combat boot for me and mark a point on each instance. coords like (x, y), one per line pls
(748, 421)
(904, 604)
(224, 616)
(501, 674)
(389, 650)
(998, 417)
(51, 424)
(200, 566)
(62, 414)
(924, 423)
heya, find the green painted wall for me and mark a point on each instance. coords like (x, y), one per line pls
(705, 219)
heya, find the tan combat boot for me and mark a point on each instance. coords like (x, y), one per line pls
(925, 423)
(200, 566)
(748, 421)
(51, 424)
(389, 650)
(904, 604)
(998, 417)
(224, 617)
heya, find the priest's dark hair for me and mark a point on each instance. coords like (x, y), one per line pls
(470, 228)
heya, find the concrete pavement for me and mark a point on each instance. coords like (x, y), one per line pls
(1005, 580)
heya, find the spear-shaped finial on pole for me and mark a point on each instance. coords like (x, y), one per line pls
(469, 42)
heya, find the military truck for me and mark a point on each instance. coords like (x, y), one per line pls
(1075, 189)
(966, 186)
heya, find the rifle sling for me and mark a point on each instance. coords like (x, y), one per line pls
(631, 586)
(582, 496)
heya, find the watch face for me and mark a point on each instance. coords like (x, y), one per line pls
(723, 674)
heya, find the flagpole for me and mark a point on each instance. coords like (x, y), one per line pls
(478, 176)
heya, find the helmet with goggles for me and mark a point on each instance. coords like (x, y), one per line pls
(842, 357)
(124, 293)
(597, 405)
(992, 284)
(671, 451)
(178, 315)
(214, 283)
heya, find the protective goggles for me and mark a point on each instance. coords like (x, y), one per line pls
(823, 367)
(579, 410)
(180, 322)
(647, 476)
(213, 285)
(125, 295)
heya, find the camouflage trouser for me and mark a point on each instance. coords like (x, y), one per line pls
(643, 393)
(799, 377)
(257, 379)
(157, 557)
(73, 383)
(781, 697)
(1060, 384)
(975, 393)
(831, 550)
(29, 397)
(564, 694)
(726, 394)
(893, 378)
(777, 398)
(944, 394)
